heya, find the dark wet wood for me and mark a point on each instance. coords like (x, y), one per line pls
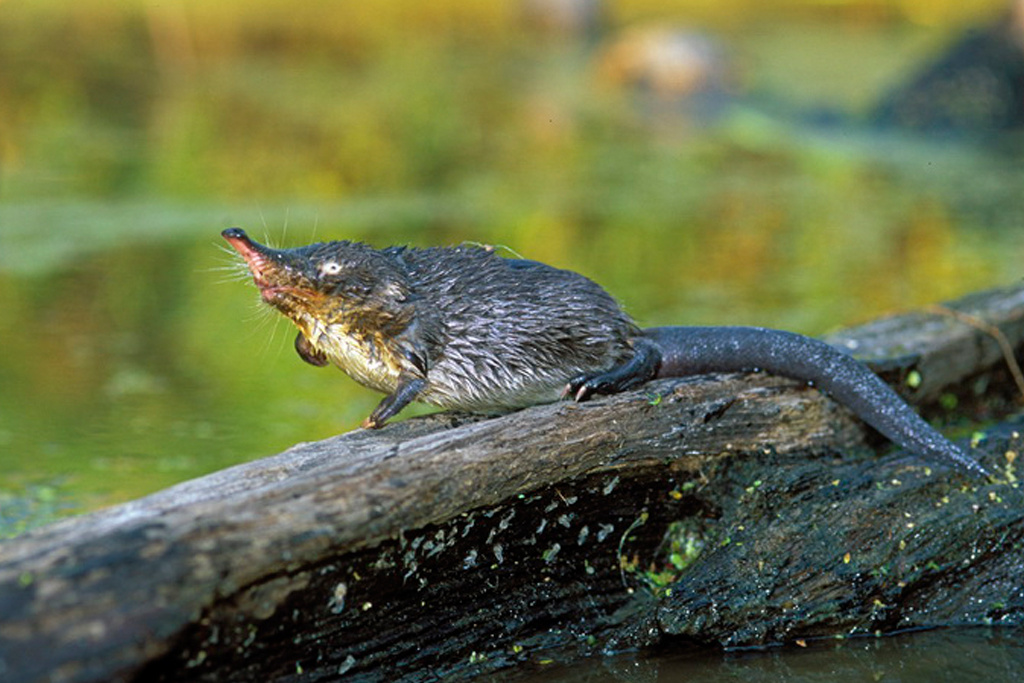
(451, 545)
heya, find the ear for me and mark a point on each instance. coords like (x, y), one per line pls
(308, 353)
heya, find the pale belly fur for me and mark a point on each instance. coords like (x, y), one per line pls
(449, 383)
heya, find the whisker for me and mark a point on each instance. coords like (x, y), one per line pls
(236, 265)
(231, 278)
(266, 338)
(273, 334)
(228, 267)
(259, 315)
(266, 226)
(233, 256)
(226, 249)
(270, 340)
(263, 219)
(233, 269)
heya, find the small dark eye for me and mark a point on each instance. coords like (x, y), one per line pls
(330, 268)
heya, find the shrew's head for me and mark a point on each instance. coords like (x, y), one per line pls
(328, 283)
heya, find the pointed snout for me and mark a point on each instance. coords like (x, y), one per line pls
(245, 246)
(257, 256)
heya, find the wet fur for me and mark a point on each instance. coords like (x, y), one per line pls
(486, 334)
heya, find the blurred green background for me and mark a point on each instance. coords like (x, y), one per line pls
(741, 183)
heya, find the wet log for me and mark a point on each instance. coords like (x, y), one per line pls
(737, 510)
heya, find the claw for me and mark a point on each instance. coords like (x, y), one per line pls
(576, 388)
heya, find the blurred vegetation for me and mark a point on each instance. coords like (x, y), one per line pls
(328, 100)
(37, 506)
(132, 131)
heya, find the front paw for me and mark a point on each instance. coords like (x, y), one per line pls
(372, 423)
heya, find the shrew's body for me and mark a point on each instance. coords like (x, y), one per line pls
(463, 328)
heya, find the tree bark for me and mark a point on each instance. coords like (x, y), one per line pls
(730, 510)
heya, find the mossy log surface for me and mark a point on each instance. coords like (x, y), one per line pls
(737, 510)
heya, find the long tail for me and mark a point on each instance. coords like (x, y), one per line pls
(697, 350)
